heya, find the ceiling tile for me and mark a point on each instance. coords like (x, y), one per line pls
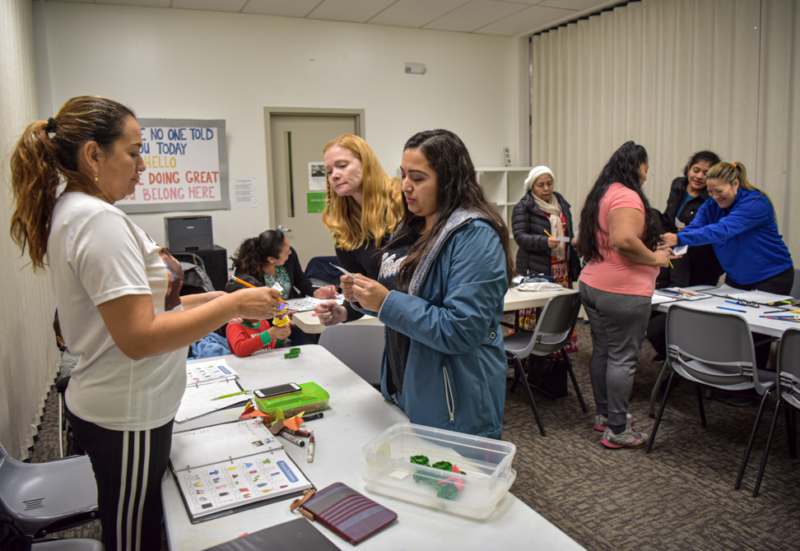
(354, 11)
(283, 8)
(526, 20)
(578, 5)
(415, 13)
(144, 3)
(210, 5)
(474, 15)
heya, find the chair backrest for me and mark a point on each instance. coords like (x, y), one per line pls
(555, 324)
(712, 348)
(788, 367)
(359, 346)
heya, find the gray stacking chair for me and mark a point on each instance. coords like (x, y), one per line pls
(47, 497)
(359, 346)
(716, 350)
(551, 334)
(788, 379)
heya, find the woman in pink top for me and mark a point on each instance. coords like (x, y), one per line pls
(618, 239)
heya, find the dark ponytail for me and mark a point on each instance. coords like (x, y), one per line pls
(253, 253)
(47, 154)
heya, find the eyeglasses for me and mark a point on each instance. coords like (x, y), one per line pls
(744, 302)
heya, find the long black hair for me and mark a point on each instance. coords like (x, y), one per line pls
(253, 253)
(623, 168)
(457, 186)
(708, 156)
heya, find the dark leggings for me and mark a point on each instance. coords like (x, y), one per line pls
(128, 467)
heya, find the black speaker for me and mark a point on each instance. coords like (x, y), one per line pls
(216, 262)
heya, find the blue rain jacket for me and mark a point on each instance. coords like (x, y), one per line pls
(456, 369)
(744, 236)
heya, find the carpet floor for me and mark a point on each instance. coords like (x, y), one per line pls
(680, 497)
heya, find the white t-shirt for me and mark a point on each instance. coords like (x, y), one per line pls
(96, 254)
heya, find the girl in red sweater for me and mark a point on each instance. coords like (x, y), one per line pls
(251, 335)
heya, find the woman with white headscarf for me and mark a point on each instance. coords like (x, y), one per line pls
(539, 219)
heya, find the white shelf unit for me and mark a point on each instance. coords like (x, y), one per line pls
(504, 187)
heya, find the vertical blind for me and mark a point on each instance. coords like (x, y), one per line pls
(28, 353)
(676, 76)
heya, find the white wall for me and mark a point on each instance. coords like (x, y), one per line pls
(171, 63)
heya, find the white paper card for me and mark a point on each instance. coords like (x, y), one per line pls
(564, 239)
(680, 250)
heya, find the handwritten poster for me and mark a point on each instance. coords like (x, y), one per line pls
(186, 167)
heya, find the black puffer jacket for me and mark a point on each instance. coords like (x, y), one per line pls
(529, 223)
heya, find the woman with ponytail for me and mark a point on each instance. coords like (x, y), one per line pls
(364, 206)
(618, 238)
(118, 304)
(739, 221)
(270, 259)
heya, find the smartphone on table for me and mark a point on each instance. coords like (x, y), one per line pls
(278, 390)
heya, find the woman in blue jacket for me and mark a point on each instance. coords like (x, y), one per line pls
(739, 221)
(440, 292)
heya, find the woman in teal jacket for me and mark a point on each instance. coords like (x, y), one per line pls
(440, 293)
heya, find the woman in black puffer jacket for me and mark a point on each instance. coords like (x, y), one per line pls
(540, 212)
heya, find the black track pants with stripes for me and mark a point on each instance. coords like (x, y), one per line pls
(128, 467)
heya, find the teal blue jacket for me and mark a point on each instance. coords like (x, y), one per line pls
(456, 370)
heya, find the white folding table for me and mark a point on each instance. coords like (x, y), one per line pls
(357, 414)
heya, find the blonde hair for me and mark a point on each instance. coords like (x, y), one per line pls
(352, 224)
(730, 172)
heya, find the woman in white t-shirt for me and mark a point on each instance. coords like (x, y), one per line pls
(118, 301)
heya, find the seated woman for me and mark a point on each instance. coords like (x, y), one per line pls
(440, 292)
(539, 219)
(271, 259)
(739, 222)
(364, 206)
(687, 194)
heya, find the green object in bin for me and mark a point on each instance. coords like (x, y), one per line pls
(311, 398)
(293, 353)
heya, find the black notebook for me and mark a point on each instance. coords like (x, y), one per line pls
(295, 535)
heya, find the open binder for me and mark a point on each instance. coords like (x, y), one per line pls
(231, 467)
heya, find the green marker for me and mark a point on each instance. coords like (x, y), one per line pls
(229, 395)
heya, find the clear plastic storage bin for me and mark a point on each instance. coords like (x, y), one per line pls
(486, 462)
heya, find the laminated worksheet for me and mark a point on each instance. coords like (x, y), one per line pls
(230, 467)
(199, 372)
